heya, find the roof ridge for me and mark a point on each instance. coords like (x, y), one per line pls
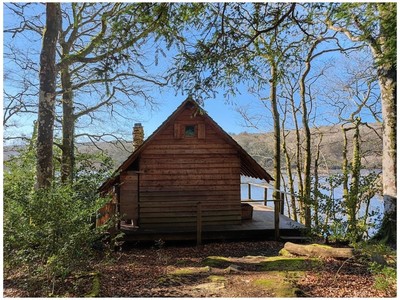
(259, 171)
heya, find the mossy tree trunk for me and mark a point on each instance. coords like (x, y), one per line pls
(351, 191)
(293, 207)
(387, 74)
(387, 80)
(298, 156)
(94, 44)
(353, 201)
(47, 96)
(306, 196)
(379, 31)
(68, 126)
(345, 165)
(277, 131)
(316, 182)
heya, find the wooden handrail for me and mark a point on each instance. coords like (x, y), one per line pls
(268, 186)
(278, 203)
(259, 200)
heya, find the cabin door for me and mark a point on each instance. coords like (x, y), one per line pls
(128, 197)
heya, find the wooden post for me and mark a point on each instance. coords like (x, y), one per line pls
(282, 203)
(199, 221)
(265, 196)
(249, 191)
(276, 218)
(117, 204)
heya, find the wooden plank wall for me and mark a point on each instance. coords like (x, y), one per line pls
(177, 172)
(107, 211)
(128, 196)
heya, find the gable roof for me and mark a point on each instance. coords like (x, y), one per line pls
(248, 166)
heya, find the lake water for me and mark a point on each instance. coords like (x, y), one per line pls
(376, 203)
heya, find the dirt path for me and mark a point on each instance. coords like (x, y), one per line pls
(237, 269)
(229, 269)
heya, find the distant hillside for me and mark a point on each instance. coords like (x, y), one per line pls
(260, 146)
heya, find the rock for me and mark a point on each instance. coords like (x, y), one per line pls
(190, 271)
(232, 269)
(211, 286)
(379, 259)
(215, 278)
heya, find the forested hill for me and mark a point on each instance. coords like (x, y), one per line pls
(260, 146)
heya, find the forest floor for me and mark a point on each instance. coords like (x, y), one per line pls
(223, 269)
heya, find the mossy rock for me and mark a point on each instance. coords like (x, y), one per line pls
(216, 262)
(210, 287)
(216, 278)
(232, 269)
(282, 263)
(278, 285)
(190, 271)
(95, 287)
(275, 263)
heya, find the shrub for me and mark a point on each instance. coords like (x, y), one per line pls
(48, 232)
(382, 263)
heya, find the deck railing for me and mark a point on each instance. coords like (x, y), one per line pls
(279, 207)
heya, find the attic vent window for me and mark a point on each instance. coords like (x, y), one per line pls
(190, 130)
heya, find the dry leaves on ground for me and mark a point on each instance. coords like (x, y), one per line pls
(145, 271)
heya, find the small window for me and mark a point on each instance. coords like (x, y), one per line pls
(190, 130)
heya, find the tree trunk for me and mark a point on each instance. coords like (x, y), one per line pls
(68, 125)
(292, 209)
(277, 133)
(316, 182)
(387, 75)
(298, 157)
(383, 47)
(293, 206)
(47, 95)
(388, 86)
(316, 250)
(306, 196)
(345, 165)
(352, 201)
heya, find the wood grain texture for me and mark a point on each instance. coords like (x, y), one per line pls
(179, 172)
(128, 196)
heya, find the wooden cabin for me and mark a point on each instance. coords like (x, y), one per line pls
(188, 166)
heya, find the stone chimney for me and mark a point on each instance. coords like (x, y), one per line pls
(138, 135)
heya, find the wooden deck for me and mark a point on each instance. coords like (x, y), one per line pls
(261, 226)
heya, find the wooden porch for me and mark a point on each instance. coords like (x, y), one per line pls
(261, 226)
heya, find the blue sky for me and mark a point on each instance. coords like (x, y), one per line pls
(225, 114)
(223, 111)
(219, 109)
